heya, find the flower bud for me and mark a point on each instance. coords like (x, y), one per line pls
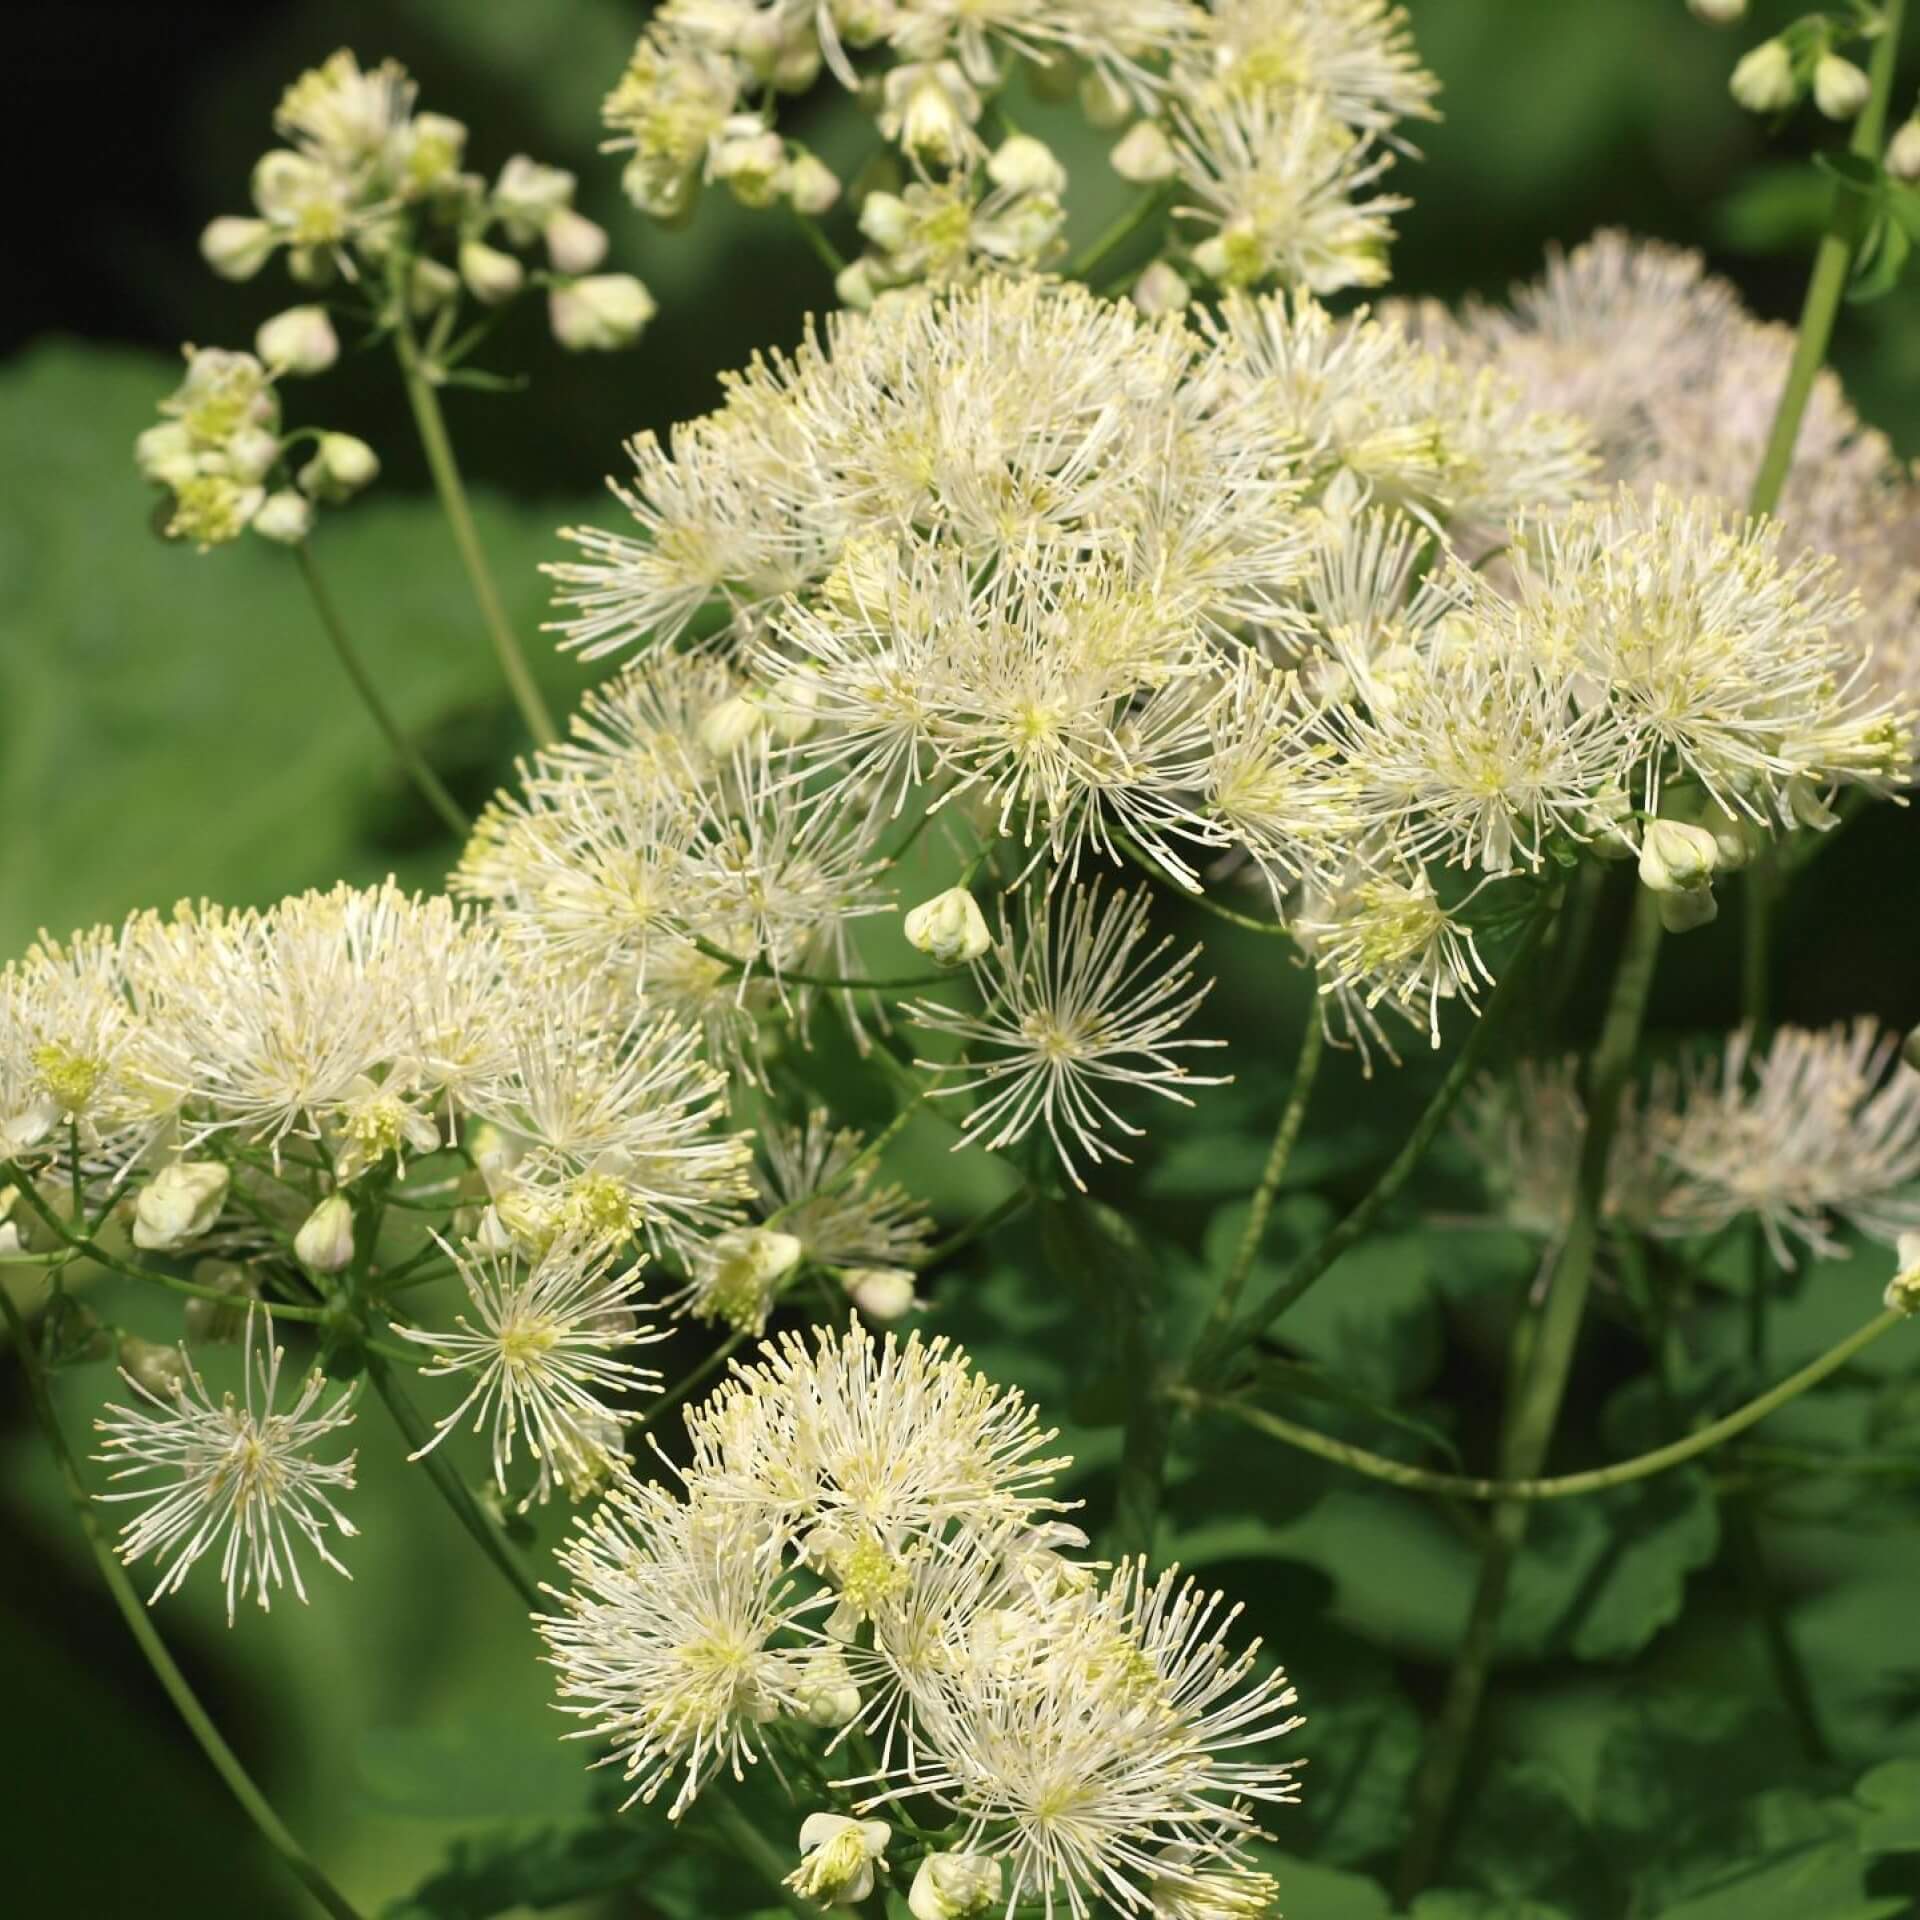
(1718, 13)
(1903, 151)
(854, 285)
(434, 145)
(1677, 858)
(811, 186)
(1162, 288)
(1105, 102)
(251, 453)
(527, 196)
(221, 1319)
(1143, 154)
(299, 341)
(1840, 89)
(750, 159)
(859, 23)
(930, 109)
(1682, 912)
(1909, 1052)
(161, 1371)
(838, 1856)
(179, 1204)
(341, 466)
(950, 928)
(325, 1240)
(881, 1293)
(166, 453)
(601, 313)
(575, 244)
(826, 1691)
(1763, 82)
(954, 1886)
(491, 276)
(285, 517)
(1903, 1290)
(235, 247)
(430, 285)
(1023, 164)
(729, 724)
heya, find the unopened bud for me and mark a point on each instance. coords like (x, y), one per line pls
(838, 1855)
(930, 109)
(1677, 858)
(1143, 154)
(1683, 912)
(729, 724)
(251, 454)
(1903, 1290)
(161, 1371)
(324, 1243)
(575, 244)
(954, 1886)
(1840, 89)
(491, 276)
(430, 285)
(166, 453)
(1763, 81)
(1022, 164)
(1909, 1052)
(1903, 151)
(853, 285)
(341, 466)
(826, 1692)
(950, 928)
(527, 196)
(751, 162)
(299, 341)
(881, 1293)
(811, 186)
(285, 517)
(235, 247)
(1105, 102)
(1718, 13)
(1162, 288)
(180, 1203)
(601, 313)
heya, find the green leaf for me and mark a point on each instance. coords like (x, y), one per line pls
(1277, 1381)
(1774, 208)
(1521, 1837)
(1890, 1796)
(500, 1873)
(1883, 253)
(1446, 1905)
(1102, 1258)
(1315, 1892)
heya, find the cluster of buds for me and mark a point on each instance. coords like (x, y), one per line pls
(370, 192)
(1803, 58)
(1679, 860)
(220, 451)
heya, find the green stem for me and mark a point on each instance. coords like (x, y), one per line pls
(406, 755)
(997, 1215)
(864, 1158)
(199, 1723)
(82, 1244)
(892, 984)
(1566, 1486)
(425, 402)
(1831, 265)
(1536, 1409)
(824, 250)
(1224, 1342)
(1783, 1658)
(407, 1417)
(752, 1845)
(1306, 1068)
(1252, 923)
(688, 1382)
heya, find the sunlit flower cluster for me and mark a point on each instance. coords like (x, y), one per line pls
(865, 1543)
(1270, 121)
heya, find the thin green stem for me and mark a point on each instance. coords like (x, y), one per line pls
(896, 983)
(1832, 263)
(1252, 923)
(996, 1216)
(1566, 1486)
(406, 755)
(1536, 1409)
(864, 1158)
(445, 1477)
(91, 1249)
(752, 1845)
(146, 1636)
(824, 250)
(438, 447)
(688, 1382)
(1292, 1116)
(1219, 1347)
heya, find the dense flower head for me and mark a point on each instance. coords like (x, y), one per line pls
(863, 1543)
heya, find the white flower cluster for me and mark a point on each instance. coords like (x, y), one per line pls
(865, 1543)
(370, 191)
(1275, 117)
(1111, 586)
(1818, 1129)
(1679, 385)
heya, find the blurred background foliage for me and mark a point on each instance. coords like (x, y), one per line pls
(173, 725)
